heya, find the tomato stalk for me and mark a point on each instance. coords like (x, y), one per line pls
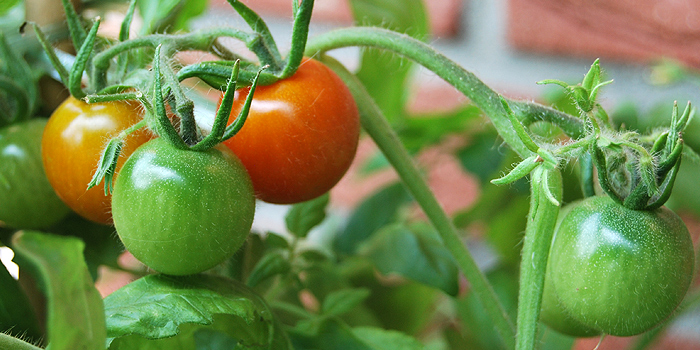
(378, 128)
(300, 33)
(541, 222)
(9, 342)
(203, 41)
(466, 82)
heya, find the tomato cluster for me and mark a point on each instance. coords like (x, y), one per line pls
(614, 270)
(181, 211)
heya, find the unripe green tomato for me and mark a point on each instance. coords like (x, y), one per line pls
(182, 212)
(617, 270)
(27, 200)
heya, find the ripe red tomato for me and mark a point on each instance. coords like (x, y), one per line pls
(72, 144)
(300, 136)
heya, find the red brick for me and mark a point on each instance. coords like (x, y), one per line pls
(639, 30)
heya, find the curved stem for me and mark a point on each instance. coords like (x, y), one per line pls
(466, 82)
(388, 142)
(538, 237)
(8, 342)
(201, 40)
(300, 33)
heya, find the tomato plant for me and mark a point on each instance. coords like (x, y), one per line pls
(182, 212)
(26, 197)
(300, 136)
(617, 270)
(72, 144)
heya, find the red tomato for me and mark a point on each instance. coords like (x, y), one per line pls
(300, 136)
(72, 144)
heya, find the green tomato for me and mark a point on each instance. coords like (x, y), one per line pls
(27, 200)
(617, 270)
(555, 317)
(182, 212)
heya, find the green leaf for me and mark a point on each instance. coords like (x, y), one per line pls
(409, 16)
(482, 156)
(160, 306)
(75, 312)
(421, 131)
(168, 15)
(344, 300)
(6, 5)
(209, 339)
(17, 315)
(326, 334)
(416, 253)
(102, 246)
(305, 216)
(375, 212)
(381, 339)
(270, 265)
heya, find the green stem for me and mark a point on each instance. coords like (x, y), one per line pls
(538, 238)
(202, 40)
(388, 142)
(466, 82)
(300, 34)
(8, 342)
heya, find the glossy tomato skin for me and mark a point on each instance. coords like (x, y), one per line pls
(300, 136)
(617, 270)
(182, 212)
(73, 141)
(27, 200)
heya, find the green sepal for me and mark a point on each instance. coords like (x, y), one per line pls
(107, 165)
(258, 25)
(78, 33)
(81, 61)
(521, 170)
(216, 74)
(51, 53)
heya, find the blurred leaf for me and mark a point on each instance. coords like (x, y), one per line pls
(375, 163)
(240, 265)
(168, 15)
(418, 132)
(209, 339)
(506, 228)
(306, 215)
(6, 5)
(17, 316)
(372, 214)
(380, 339)
(482, 157)
(326, 334)
(414, 253)
(274, 240)
(102, 246)
(477, 331)
(344, 300)
(408, 16)
(270, 265)
(160, 306)
(75, 312)
(551, 340)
